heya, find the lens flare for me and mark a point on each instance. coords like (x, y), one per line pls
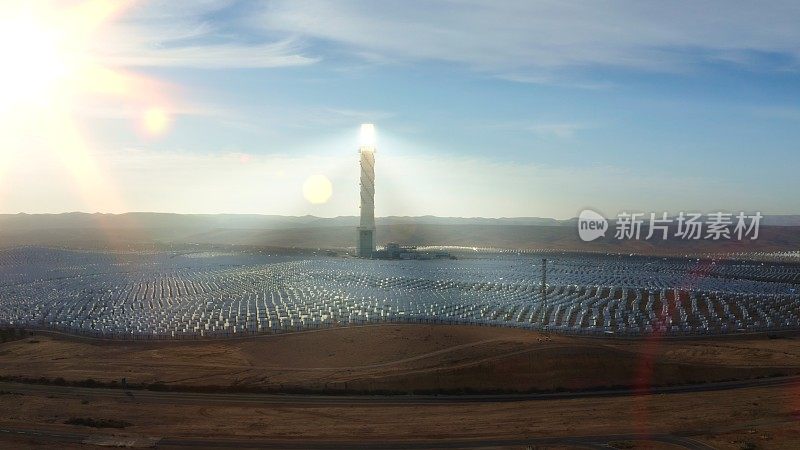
(156, 121)
(317, 189)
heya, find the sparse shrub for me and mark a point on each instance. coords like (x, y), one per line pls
(10, 393)
(89, 382)
(97, 423)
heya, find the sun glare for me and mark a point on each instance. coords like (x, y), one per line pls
(33, 61)
(44, 49)
(367, 135)
(49, 73)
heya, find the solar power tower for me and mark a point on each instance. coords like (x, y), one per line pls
(366, 229)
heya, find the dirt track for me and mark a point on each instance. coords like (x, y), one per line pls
(405, 358)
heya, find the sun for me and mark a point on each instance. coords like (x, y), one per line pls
(49, 70)
(43, 48)
(33, 63)
(47, 59)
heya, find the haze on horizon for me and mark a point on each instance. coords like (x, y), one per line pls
(483, 108)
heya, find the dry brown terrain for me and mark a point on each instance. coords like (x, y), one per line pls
(405, 358)
(763, 417)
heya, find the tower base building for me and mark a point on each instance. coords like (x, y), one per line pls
(366, 243)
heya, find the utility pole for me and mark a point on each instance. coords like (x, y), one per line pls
(544, 291)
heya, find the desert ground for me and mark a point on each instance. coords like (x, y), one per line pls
(207, 393)
(404, 358)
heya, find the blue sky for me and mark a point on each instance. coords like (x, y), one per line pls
(483, 108)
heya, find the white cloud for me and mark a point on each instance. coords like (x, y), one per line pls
(778, 112)
(558, 130)
(362, 115)
(217, 56)
(545, 42)
(188, 34)
(553, 80)
(540, 39)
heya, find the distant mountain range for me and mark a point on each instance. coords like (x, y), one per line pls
(257, 221)
(241, 221)
(779, 232)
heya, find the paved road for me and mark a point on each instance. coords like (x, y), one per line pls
(267, 399)
(296, 399)
(600, 441)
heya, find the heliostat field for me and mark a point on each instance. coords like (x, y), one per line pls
(164, 295)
